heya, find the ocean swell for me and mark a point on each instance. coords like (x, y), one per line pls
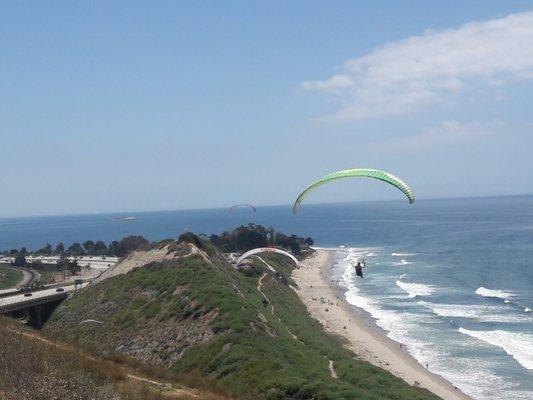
(517, 345)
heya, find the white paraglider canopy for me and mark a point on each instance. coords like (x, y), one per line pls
(267, 250)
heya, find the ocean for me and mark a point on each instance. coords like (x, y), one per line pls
(450, 279)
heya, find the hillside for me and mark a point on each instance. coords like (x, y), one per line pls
(188, 310)
(9, 277)
(35, 368)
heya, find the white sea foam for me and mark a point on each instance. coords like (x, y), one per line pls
(399, 263)
(527, 309)
(403, 254)
(416, 289)
(326, 248)
(416, 329)
(385, 319)
(517, 345)
(474, 377)
(361, 253)
(476, 312)
(404, 327)
(499, 294)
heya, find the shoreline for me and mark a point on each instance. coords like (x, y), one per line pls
(349, 322)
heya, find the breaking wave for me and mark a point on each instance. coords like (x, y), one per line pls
(399, 263)
(475, 312)
(416, 289)
(498, 294)
(517, 345)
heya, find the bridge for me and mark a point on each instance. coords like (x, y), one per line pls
(35, 306)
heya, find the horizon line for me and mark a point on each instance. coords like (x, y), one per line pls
(114, 213)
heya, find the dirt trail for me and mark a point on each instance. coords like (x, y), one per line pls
(259, 284)
(332, 371)
(272, 310)
(169, 390)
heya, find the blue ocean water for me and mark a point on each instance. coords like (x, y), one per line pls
(451, 279)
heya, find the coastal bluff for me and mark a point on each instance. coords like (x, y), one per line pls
(183, 308)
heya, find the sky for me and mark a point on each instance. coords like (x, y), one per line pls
(135, 106)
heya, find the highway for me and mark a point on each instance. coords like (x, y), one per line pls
(19, 301)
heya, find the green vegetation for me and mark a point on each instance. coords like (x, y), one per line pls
(249, 237)
(200, 317)
(115, 249)
(9, 277)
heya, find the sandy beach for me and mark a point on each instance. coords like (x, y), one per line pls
(368, 342)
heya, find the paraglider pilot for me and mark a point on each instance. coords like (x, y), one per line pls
(359, 267)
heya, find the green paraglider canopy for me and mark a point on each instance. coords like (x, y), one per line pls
(357, 172)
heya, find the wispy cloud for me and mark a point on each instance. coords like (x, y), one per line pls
(449, 133)
(406, 75)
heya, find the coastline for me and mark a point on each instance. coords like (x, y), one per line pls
(368, 342)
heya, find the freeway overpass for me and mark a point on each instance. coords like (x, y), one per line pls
(36, 306)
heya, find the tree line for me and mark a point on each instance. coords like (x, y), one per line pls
(249, 237)
(98, 248)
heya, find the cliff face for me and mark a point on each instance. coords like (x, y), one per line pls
(184, 307)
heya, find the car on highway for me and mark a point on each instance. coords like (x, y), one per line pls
(60, 289)
(27, 294)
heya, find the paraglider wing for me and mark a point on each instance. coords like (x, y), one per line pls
(267, 250)
(357, 172)
(242, 205)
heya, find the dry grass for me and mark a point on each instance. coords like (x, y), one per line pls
(33, 368)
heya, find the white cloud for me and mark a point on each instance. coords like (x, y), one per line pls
(409, 74)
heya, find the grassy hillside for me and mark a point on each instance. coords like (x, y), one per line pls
(9, 277)
(198, 316)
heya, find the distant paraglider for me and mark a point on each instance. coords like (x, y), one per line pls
(267, 250)
(244, 205)
(357, 172)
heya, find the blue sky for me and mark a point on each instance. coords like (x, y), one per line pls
(108, 106)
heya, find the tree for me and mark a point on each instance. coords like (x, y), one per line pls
(62, 263)
(48, 249)
(89, 246)
(100, 248)
(127, 245)
(37, 264)
(248, 237)
(75, 249)
(20, 260)
(60, 249)
(73, 267)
